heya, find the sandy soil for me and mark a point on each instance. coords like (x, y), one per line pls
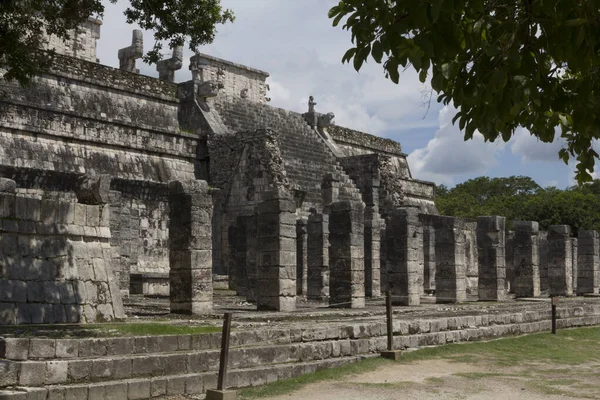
(443, 379)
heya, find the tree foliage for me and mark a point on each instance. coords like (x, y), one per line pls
(174, 21)
(519, 198)
(503, 63)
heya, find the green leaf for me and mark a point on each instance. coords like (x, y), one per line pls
(423, 75)
(436, 7)
(392, 68)
(348, 55)
(576, 22)
(377, 51)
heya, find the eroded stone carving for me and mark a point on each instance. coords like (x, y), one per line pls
(244, 93)
(166, 68)
(325, 120)
(128, 55)
(208, 89)
(315, 119)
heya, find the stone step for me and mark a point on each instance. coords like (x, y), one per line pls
(40, 373)
(176, 384)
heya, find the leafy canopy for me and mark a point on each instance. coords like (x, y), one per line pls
(175, 21)
(503, 63)
(519, 198)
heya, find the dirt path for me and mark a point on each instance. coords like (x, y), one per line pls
(444, 379)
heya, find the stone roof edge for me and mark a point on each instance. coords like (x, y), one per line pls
(367, 140)
(236, 65)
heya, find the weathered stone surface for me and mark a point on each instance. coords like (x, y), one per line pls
(492, 268)
(301, 257)
(318, 257)
(276, 264)
(560, 262)
(450, 270)
(347, 268)
(588, 272)
(526, 259)
(404, 236)
(190, 256)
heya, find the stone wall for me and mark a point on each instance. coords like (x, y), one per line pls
(53, 261)
(237, 80)
(81, 43)
(87, 118)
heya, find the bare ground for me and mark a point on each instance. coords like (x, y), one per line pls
(444, 379)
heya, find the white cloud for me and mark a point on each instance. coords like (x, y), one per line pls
(530, 148)
(447, 155)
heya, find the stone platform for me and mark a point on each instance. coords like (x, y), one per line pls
(265, 347)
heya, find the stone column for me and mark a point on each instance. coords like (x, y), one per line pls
(276, 253)
(404, 241)
(574, 263)
(428, 258)
(318, 256)
(166, 68)
(526, 259)
(346, 254)
(129, 54)
(383, 272)
(251, 270)
(237, 256)
(372, 254)
(330, 189)
(471, 257)
(510, 268)
(450, 266)
(491, 258)
(190, 247)
(301, 257)
(560, 262)
(544, 254)
(588, 260)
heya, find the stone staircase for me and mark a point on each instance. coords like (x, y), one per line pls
(307, 158)
(147, 367)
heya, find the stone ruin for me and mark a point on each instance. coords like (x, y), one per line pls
(114, 183)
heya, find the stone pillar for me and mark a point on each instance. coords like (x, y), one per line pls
(526, 259)
(588, 260)
(574, 263)
(383, 272)
(346, 254)
(251, 269)
(404, 240)
(276, 253)
(330, 189)
(372, 257)
(510, 268)
(317, 230)
(128, 55)
(450, 266)
(301, 257)
(428, 258)
(237, 256)
(190, 247)
(471, 257)
(560, 262)
(544, 254)
(491, 258)
(166, 68)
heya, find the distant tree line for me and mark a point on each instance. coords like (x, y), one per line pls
(520, 198)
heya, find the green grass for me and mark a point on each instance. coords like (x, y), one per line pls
(104, 330)
(568, 347)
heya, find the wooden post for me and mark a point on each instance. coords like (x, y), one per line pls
(554, 304)
(224, 350)
(220, 393)
(390, 352)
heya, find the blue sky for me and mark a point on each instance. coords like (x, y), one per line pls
(294, 41)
